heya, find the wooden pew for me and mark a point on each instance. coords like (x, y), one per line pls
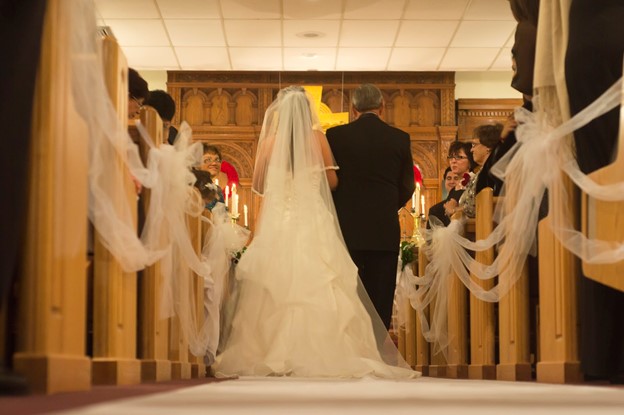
(457, 352)
(153, 329)
(50, 348)
(604, 219)
(482, 319)
(115, 291)
(422, 345)
(198, 368)
(558, 281)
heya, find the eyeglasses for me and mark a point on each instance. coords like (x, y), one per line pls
(211, 160)
(458, 157)
(137, 100)
(475, 144)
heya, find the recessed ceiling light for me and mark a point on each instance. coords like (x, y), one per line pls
(309, 55)
(310, 35)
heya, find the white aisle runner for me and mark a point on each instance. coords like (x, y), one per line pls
(428, 396)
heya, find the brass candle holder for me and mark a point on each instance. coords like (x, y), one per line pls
(417, 236)
(234, 217)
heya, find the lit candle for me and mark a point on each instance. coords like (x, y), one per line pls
(235, 204)
(414, 201)
(245, 213)
(234, 189)
(422, 204)
(416, 197)
(227, 195)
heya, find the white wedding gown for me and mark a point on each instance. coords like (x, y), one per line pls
(299, 312)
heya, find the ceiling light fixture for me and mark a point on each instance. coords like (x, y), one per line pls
(310, 35)
(309, 55)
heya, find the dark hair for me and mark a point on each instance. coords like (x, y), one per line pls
(203, 178)
(137, 86)
(447, 171)
(173, 134)
(162, 103)
(208, 148)
(489, 134)
(457, 146)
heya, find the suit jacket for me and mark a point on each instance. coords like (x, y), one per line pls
(375, 179)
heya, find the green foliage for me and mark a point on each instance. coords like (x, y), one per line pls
(408, 253)
(236, 256)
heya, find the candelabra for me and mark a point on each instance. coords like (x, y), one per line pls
(234, 217)
(417, 236)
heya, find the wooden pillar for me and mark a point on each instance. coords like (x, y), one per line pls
(115, 291)
(457, 353)
(558, 279)
(513, 322)
(482, 322)
(410, 335)
(198, 368)
(153, 329)
(52, 308)
(422, 346)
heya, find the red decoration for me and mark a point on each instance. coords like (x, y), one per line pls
(417, 175)
(466, 179)
(230, 172)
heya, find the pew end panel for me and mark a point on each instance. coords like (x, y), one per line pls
(50, 346)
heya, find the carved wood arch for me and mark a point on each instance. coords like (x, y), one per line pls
(220, 105)
(245, 114)
(193, 107)
(400, 108)
(238, 155)
(426, 109)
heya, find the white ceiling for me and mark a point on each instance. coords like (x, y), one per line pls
(352, 35)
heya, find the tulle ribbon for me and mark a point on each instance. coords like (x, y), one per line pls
(536, 163)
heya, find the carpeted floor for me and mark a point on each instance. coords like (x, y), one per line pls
(425, 395)
(44, 404)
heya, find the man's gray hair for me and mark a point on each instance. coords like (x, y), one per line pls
(367, 97)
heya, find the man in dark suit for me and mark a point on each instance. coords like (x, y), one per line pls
(375, 180)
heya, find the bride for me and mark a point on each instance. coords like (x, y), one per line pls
(301, 309)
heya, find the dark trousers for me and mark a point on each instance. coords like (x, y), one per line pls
(377, 271)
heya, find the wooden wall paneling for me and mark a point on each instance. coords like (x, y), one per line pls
(50, 347)
(474, 112)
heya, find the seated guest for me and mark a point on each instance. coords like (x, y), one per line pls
(206, 188)
(449, 181)
(138, 93)
(211, 163)
(486, 138)
(460, 162)
(166, 108)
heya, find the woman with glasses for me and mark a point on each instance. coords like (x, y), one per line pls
(211, 162)
(486, 138)
(460, 162)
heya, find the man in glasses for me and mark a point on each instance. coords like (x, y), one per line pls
(138, 93)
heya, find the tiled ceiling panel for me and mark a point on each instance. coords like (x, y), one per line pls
(365, 35)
